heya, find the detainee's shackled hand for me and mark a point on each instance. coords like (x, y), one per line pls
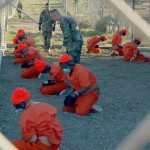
(24, 65)
(49, 82)
(120, 46)
(70, 99)
(96, 46)
(40, 28)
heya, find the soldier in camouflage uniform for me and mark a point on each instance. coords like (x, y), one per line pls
(72, 38)
(47, 25)
(19, 5)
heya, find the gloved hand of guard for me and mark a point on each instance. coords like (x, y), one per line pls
(40, 28)
(96, 46)
(49, 82)
(70, 99)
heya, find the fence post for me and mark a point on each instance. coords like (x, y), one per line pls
(133, 6)
(66, 8)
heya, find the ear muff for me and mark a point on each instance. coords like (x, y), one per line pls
(20, 105)
(136, 42)
(71, 63)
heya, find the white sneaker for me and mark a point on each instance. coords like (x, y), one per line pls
(40, 75)
(97, 108)
(62, 92)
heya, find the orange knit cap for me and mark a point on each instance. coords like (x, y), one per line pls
(138, 39)
(104, 37)
(21, 30)
(65, 58)
(15, 39)
(21, 46)
(125, 31)
(20, 95)
(40, 65)
(20, 34)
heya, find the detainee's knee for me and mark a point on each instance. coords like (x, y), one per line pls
(82, 112)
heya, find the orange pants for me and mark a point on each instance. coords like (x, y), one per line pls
(83, 104)
(53, 89)
(16, 54)
(29, 73)
(118, 49)
(92, 49)
(19, 60)
(24, 145)
(142, 58)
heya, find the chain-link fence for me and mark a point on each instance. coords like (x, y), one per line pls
(94, 17)
(6, 10)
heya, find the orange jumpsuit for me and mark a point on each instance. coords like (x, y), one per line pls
(91, 42)
(39, 119)
(129, 50)
(29, 41)
(117, 40)
(57, 74)
(17, 54)
(32, 56)
(82, 78)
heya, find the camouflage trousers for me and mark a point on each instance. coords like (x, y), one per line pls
(19, 14)
(47, 35)
(74, 50)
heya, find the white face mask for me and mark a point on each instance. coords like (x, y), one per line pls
(67, 70)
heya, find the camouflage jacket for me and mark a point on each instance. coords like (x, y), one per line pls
(19, 5)
(46, 21)
(70, 31)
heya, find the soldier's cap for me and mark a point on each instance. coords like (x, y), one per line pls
(125, 31)
(21, 46)
(139, 39)
(20, 95)
(40, 65)
(65, 58)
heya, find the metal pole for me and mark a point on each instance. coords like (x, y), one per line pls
(133, 6)
(66, 8)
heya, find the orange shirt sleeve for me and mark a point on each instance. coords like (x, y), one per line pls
(56, 72)
(83, 77)
(28, 125)
(129, 50)
(93, 40)
(116, 39)
(40, 119)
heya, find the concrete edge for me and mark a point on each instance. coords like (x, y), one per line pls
(2, 50)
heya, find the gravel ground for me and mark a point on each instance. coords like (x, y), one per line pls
(124, 98)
